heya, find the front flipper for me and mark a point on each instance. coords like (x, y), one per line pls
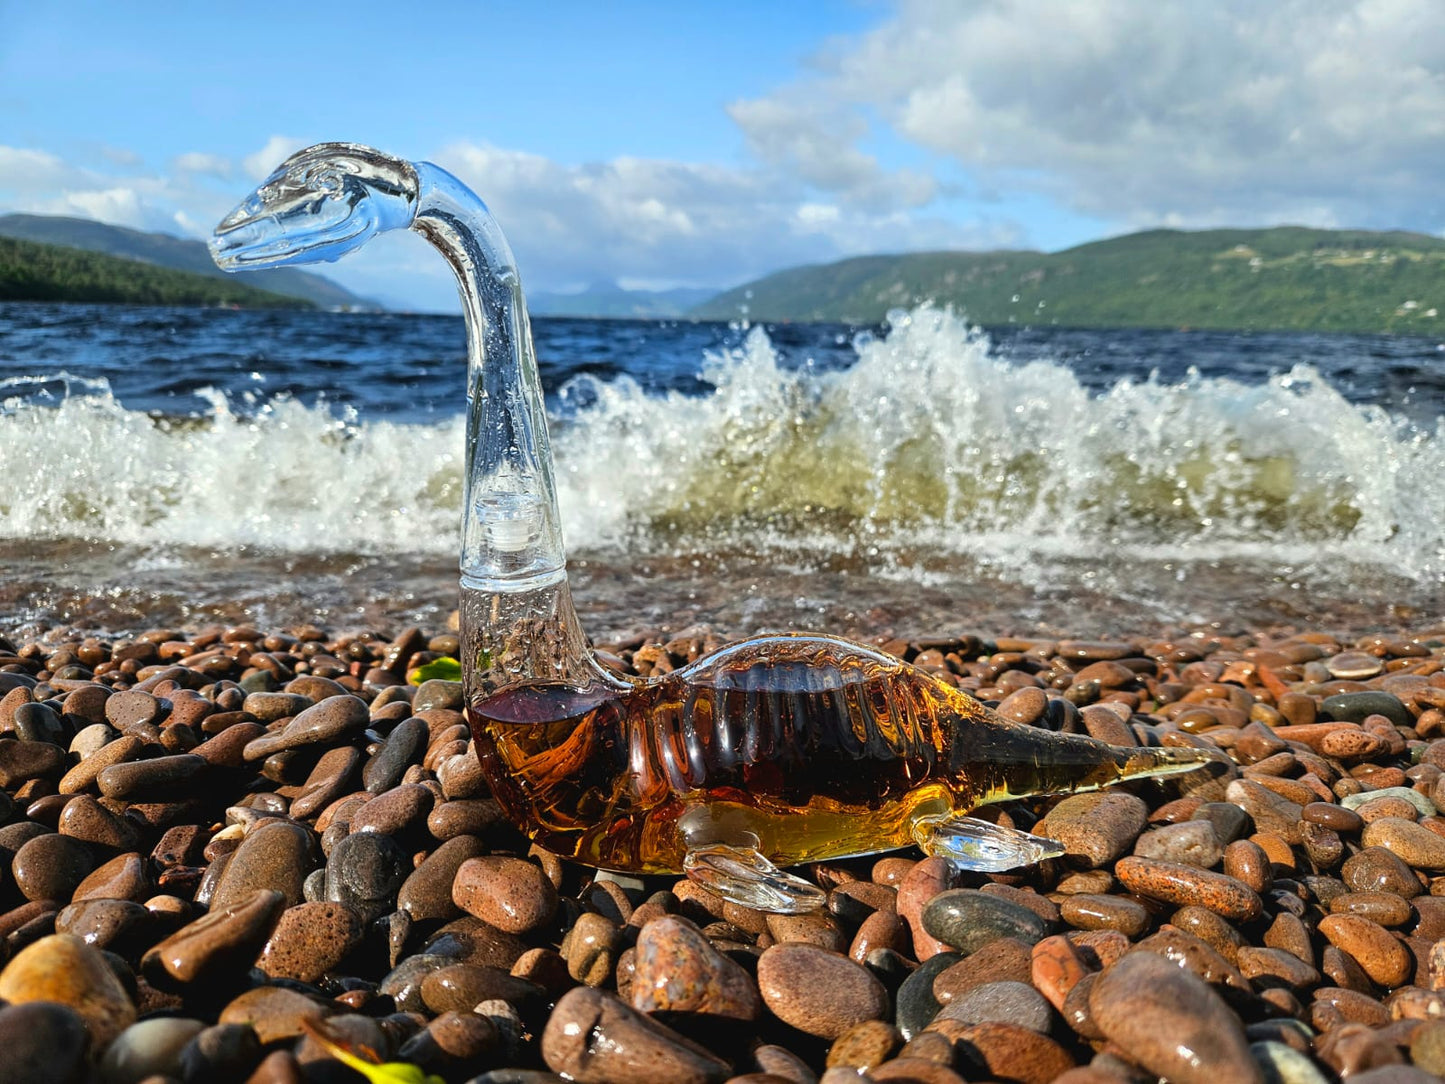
(980, 846)
(743, 876)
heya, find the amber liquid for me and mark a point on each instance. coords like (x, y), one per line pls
(805, 747)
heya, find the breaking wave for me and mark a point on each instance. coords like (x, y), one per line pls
(928, 446)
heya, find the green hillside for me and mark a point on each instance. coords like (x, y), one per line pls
(177, 254)
(1287, 278)
(36, 272)
(607, 300)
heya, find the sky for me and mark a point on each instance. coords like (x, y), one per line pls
(705, 144)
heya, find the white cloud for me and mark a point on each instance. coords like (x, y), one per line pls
(637, 219)
(38, 182)
(262, 163)
(815, 142)
(21, 166)
(213, 165)
(665, 221)
(1140, 112)
(121, 156)
(120, 205)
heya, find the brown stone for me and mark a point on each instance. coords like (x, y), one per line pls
(1185, 885)
(593, 1038)
(677, 970)
(62, 968)
(1096, 828)
(819, 992)
(1384, 959)
(1169, 1021)
(309, 940)
(509, 893)
(218, 945)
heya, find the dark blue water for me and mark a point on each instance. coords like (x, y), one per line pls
(172, 465)
(411, 367)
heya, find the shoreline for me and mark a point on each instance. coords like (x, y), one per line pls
(1282, 912)
(124, 588)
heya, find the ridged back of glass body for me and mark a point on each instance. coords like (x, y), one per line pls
(807, 747)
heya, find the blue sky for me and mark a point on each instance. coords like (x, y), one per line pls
(668, 144)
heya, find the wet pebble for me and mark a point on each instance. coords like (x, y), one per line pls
(274, 1012)
(127, 709)
(24, 760)
(593, 1038)
(158, 775)
(1004, 1051)
(106, 924)
(1356, 707)
(966, 919)
(64, 969)
(275, 855)
(676, 969)
(1090, 912)
(403, 747)
(218, 945)
(364, 872)
(818, 992)
(1096, 828)
(50, 866)
(148, 1048)
(1423, 805)
(1383, 958)
(1186, 885)
(509, 893)
(1169, 1021)
(333, 719)
(1413, 843)
(1001, 1002)
(394, 812)
(591, 948)
(916, 1003)
(1190, 843)
(43, 1041)
(310, 939)
(426, 893)
(461, 987)
(1376, 869)
(1284, 1065)
(917, 886)
(1339, 818)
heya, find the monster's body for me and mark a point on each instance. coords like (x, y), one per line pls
(804, 747)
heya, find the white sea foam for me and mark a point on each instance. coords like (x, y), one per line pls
(929, 445)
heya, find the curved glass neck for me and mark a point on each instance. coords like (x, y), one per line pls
(511, 531)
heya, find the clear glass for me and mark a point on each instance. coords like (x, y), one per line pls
(779, 750)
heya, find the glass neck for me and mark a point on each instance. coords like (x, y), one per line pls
(511, 531)
(518, 622)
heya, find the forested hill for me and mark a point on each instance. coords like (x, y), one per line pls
(1282, 278)
(36, 272)
(176, 253)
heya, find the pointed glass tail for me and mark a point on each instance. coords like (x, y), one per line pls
(1152, 762)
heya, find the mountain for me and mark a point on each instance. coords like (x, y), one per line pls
(30, 271)
(1283, 278)
(175, 253)
(607, 299)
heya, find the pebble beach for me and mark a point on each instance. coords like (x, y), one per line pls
(246, 854)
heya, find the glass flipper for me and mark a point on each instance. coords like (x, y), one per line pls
(743, 876)
(980, 846)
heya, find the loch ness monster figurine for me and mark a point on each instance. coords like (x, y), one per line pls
(771, 752)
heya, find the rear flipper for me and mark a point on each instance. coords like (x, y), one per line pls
(742, 875)
(980, 846)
